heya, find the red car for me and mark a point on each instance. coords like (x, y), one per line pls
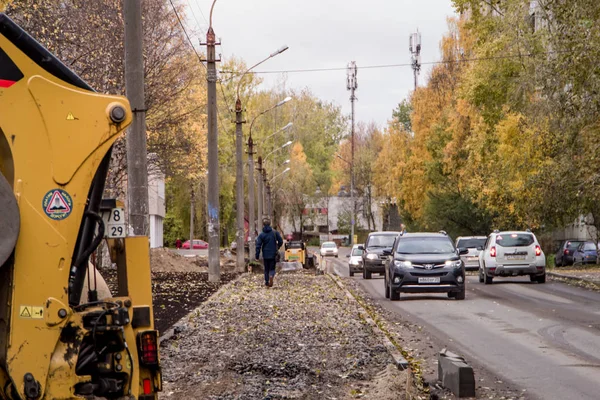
(198, 245)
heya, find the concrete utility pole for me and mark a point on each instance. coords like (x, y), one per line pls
(192, 212)
(214, 236)
(415, 50)
(137, 163)
(239, 187)
(251, 222)
(259, 183)
(352, 85)
(239, 176)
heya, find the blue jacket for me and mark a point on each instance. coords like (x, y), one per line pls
(269, 241)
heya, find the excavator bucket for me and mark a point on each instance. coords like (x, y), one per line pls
(9, 219)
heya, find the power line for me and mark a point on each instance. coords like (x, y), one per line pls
(201, 13)
(194, 15)
(186, 34)
(400, 65)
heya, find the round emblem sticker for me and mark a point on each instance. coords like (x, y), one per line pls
(57, 204)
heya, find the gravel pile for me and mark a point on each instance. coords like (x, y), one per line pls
(301, 339)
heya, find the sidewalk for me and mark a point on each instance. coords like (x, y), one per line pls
(301, 339)
(584, 276)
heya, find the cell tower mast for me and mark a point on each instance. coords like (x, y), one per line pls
(415, 50)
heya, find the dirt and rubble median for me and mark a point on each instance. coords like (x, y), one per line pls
(179, 284)
(301, 339)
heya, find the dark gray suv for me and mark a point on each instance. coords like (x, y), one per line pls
(373, 257)
(424, 262)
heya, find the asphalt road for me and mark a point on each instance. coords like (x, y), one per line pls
(544, 338)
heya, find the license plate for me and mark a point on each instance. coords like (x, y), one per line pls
(514, 257)
(435, 279)
(473, 258)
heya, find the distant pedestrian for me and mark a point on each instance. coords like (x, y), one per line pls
(269, 241)
(178, 244)
(402, 229)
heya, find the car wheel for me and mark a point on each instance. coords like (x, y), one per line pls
(386, 288)
(541, 278)
(488, 280)
(480, 276)
(351, 273)
(460, 295)
(364, 277)
(394, 295)
(451, 295)
(367, 274)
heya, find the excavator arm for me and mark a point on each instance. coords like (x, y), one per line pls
(56, 136)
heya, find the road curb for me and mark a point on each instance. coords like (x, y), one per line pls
(575, 278)
(177, 325)
(399, 360)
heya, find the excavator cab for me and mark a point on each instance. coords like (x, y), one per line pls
(56, 137)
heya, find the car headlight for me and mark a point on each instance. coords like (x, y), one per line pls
(403, 264)
(453, 264)
(353, 262)
(372, 257)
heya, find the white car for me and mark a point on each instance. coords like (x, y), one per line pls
(355, 262)
(512, 253)
(329, 249)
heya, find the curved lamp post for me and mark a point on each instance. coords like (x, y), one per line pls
(251, 219)
(239, 175)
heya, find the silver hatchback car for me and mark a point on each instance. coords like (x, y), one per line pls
(474, 244)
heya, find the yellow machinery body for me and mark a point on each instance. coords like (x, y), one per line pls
(295, 251)
(56, 136)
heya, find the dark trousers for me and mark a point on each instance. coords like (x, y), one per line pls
(269, 264)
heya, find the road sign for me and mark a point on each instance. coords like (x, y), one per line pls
(114, 223)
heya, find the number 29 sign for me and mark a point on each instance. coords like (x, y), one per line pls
(114, 223)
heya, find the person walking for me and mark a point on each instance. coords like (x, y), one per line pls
(269, 241)
(178, 244)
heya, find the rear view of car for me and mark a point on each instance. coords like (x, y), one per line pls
(566, 250)
(474, 244)
(512, 254)
(586, 253)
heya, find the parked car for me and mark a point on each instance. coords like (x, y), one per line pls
(355, 263)
(513, 253)
(198, 245)
(373, 257)
(586, 253)
(424, 262)
(329, 249)
(474, 244)
(564, 254)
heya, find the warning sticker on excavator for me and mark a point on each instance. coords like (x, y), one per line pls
(57, 204)
(37, 312)
(25, 312)
(31, 312)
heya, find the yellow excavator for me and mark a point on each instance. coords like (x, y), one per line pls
(56, 136)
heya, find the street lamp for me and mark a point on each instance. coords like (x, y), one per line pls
(285, 128)
(253, 223)
(239, 175)
(277, 149)
(279, 174)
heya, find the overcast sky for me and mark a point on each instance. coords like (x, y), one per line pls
(327, 34)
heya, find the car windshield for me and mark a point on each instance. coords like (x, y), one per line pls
(329, 245)
(381, 241)
(573, 245)
(424, 245)
(471, 243)
(589, 246)
(357, 252)
(514, 239)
